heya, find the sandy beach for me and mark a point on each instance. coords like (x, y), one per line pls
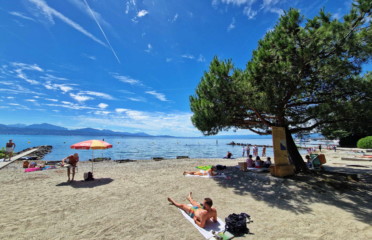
(129, 201)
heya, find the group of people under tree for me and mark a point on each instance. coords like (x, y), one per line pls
(258, 163)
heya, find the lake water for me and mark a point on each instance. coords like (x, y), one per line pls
(136, 148)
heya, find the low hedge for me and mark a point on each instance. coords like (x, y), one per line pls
(365, 142)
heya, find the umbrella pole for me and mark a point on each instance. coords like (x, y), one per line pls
(92, 159)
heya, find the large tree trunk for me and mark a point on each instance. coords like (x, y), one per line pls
(294, 154)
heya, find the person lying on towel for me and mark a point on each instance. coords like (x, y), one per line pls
(201, 213)
(210, 172)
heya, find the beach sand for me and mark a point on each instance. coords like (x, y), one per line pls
(129, 201)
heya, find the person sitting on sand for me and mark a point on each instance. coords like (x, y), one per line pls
(210, 172)
(228, 155)
(72, 160)
(267, 163)
(250, 162)
(201, 213)
(308, 160)
(258, 163)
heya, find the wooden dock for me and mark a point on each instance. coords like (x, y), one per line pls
(16, 157)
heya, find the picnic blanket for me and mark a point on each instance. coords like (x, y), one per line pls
(210, 226)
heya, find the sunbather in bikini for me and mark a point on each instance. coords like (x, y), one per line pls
(199, 212)
(209, 172)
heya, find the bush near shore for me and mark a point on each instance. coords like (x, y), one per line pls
(365, 142)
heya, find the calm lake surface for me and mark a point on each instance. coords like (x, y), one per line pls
(136, 148)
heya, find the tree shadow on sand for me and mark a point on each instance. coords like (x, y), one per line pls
(87, 184)
(296, 193)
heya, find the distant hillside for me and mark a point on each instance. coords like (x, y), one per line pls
(49, 129)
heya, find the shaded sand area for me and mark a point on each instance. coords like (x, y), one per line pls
(129, 201)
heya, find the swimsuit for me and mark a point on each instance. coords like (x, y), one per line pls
(192, 211)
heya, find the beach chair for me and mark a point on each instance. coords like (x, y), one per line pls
(315, 162)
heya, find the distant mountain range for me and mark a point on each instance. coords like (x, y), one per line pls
(49, 129)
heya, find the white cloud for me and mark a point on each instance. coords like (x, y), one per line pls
(201, 58)
(97, 94)
(51, 77)
(82, 7)
(142, 13)
(232, 25)
(155, 123)
(168, 59)
(25, 66)
(238, 2)
(53, 86)
(69, 105)
(159, 96)
(120, 110)
(21, 15)
(102, 105)
(80, 98)
(126, 79)
(30, 100)
(174, 18)
(149, 48)
(252, 7)
(51, 99)
(49, 13)
(102, 112)
(188, 56)
(136, 99)
(249, 12)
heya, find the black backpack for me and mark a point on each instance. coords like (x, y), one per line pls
(88, 176)
(237, 224)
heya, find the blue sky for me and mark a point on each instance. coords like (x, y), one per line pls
(125, 65)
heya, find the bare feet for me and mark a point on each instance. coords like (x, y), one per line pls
(171, 200)
(189, 197)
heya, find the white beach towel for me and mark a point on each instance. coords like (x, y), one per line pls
(218, 226)
(222, 175)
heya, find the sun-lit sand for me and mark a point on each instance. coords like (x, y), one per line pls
(129, 201)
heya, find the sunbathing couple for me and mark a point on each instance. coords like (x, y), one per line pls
(199, 212)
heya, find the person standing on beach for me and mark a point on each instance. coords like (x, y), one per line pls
(72, 160)
(200, 213)
(264, 151)
(243, 151)
(255, 151)
(248, 150)
(10, 148)
(320, 147)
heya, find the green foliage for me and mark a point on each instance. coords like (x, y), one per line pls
(303, 75)
(2, 152)
(365, 142)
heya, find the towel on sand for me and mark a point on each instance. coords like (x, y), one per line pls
(222, 175)
(218, 226)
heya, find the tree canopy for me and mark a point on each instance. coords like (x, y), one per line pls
(301, 76)
(295, 75)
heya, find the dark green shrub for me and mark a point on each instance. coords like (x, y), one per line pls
(365, 142)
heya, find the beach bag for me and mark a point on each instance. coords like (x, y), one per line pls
(88, 176)
(237, 224)
(220, 167)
